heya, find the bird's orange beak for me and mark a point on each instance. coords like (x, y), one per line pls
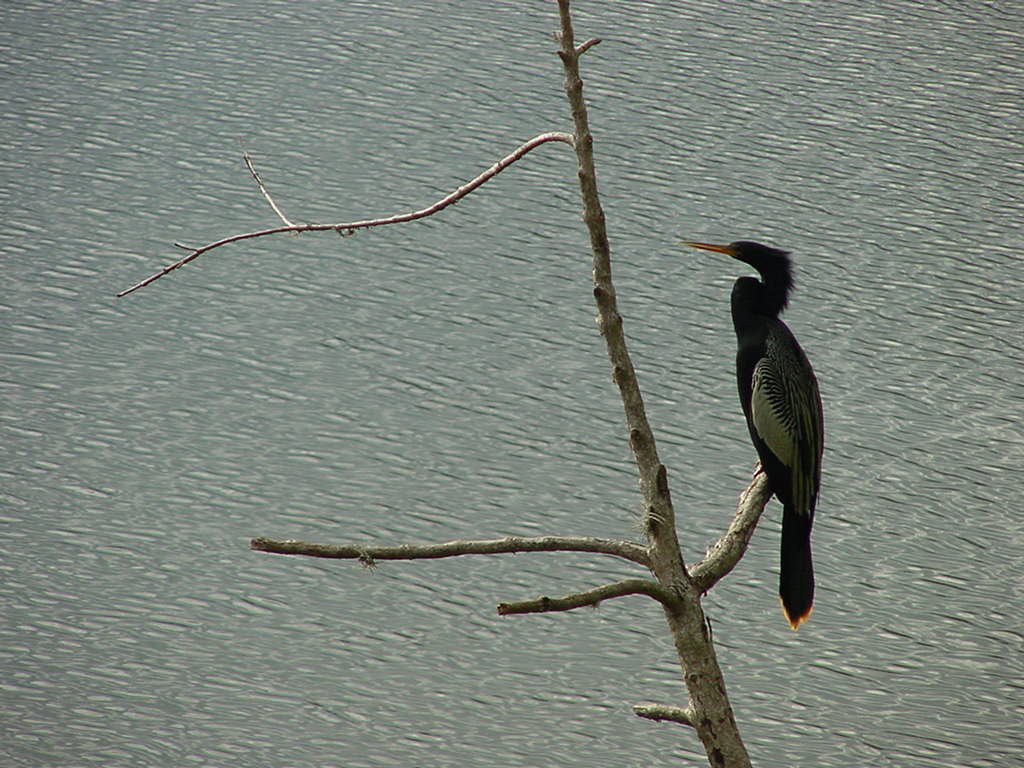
(727, 250)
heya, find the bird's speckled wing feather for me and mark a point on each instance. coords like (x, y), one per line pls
(786, 412)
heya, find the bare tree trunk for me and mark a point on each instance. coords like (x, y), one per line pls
(709, 711)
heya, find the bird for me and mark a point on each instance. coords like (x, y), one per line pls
(782, 405)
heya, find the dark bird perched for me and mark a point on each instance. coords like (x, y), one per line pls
(780, 399)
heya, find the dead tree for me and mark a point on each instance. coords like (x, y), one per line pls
(669, 581)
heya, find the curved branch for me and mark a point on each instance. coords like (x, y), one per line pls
(727, 551)
(368, 555)
(592, 597)
(662, 712)
(349, 227)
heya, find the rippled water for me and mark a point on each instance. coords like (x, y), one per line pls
(445, 379)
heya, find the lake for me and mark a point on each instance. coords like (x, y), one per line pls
(445, 379)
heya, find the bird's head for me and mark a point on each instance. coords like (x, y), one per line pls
(772, 264)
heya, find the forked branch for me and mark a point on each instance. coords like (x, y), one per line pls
(350, 227)
(678, 591)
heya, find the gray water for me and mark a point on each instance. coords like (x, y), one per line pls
(445, 379)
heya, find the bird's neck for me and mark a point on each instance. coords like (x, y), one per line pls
(750, 324)
(755, 304)
(773, 296)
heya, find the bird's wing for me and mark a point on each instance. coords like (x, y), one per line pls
(786, 411)
(772, 411)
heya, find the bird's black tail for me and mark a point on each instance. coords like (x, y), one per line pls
(796, 579)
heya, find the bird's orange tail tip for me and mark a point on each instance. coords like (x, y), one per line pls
(796, 621)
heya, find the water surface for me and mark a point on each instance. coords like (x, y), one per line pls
(445, 379)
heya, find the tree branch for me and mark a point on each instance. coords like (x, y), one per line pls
(729, 549)
(662, 712)
(368, 555)
(592, 597)
(263, 190)
(586, 46)
(349, 227)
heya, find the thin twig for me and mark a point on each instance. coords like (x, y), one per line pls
(263, 189)
(344, 228)
(512, 544)
(592, 597)
(663, 712)
(729, 549)
(584, 47)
